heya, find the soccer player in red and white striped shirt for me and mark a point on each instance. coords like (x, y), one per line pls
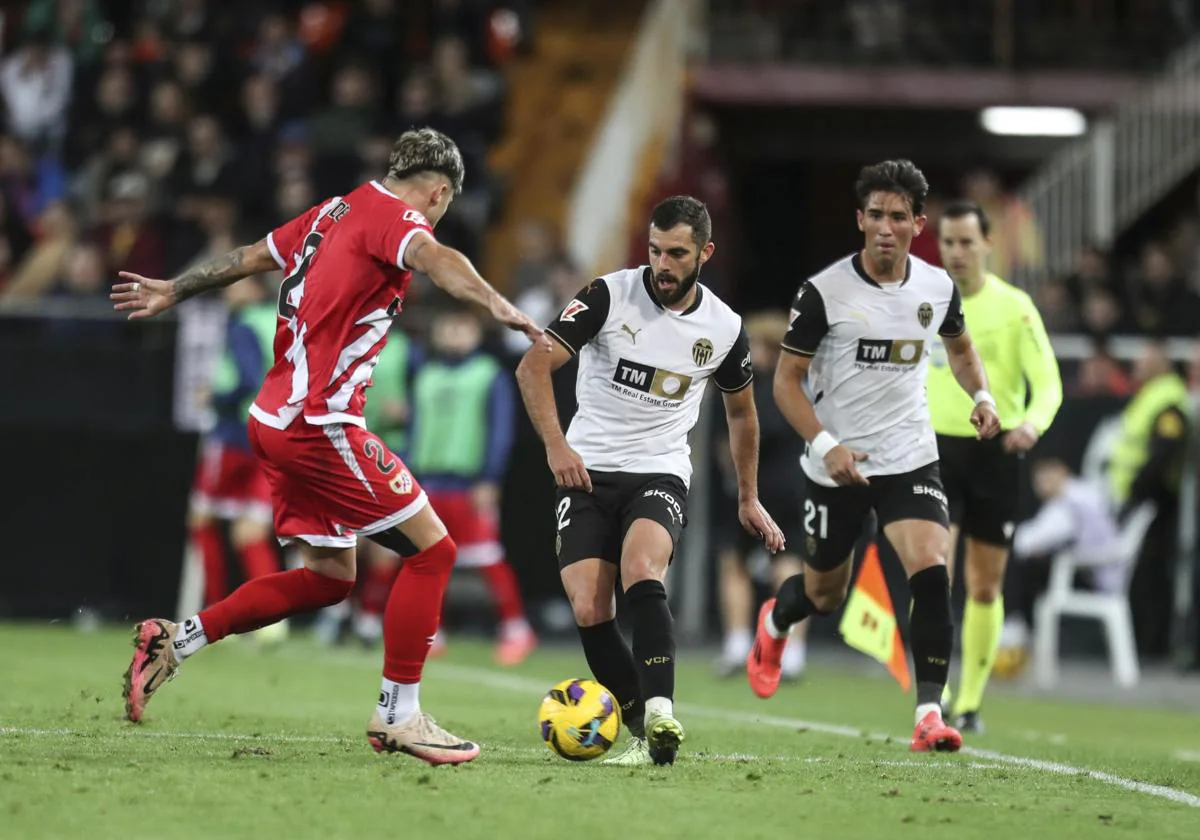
(347, 263)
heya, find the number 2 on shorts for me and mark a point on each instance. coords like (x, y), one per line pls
(563, 507)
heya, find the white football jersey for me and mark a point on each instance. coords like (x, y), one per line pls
(643, 370)
(869, 346)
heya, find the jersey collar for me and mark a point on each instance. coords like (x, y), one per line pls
(856, 261)
(648, 285)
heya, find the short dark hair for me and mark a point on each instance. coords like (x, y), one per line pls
(962, 209)
(425, 150)
(893, 176)
(684, 210)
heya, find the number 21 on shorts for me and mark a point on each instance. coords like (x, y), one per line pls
(814, 512)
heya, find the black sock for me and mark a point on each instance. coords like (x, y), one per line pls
(792, 604)
(613, 666)
(932, 632)
(653, 638)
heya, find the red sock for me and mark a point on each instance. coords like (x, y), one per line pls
(505, 592)
(377, 585)
(414, 611)
(207, 540)
(265, 600)
(258, 559)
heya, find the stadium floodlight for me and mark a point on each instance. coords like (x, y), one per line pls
(1033, 122)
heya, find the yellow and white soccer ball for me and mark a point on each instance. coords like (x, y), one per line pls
(580, 719)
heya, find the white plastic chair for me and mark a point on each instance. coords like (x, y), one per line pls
(1110, 609)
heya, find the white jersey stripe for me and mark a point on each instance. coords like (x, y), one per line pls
(337, 436)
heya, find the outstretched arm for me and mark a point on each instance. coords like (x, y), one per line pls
(452, 271)
(145, 297)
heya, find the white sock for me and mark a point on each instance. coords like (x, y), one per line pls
(795, 656)
(737, 644)
(189, 638)
(398, 701)
(773, 631)
(514, 627)
(659, 705)
(925, 708)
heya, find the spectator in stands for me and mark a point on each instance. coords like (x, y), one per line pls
(1016, 237)
(1093, 272)
(35, 82)
(1100, 375)
(1146, 465)
(129, 238)
(1054, 302)
(28, 182)
(1160, 300)
(544, 301)
(1101, 313)
(42, 265)
(536, 247)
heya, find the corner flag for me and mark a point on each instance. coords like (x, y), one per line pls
(869, 621)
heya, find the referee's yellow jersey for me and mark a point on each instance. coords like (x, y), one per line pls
(1011, 339)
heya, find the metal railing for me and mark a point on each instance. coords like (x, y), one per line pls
(1097, 186)
(1007, 34)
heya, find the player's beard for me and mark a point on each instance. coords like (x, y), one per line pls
(670, 297)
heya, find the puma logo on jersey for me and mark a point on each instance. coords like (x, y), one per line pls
(633, 334)
(573, 309)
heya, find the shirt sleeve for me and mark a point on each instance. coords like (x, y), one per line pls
(286, 239)
(388, 242)
(736, 370)
(1041, 370)
(954, 324)
(809, 322)
(582, 319)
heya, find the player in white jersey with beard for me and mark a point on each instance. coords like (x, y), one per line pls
(852, 382)
(648, 340)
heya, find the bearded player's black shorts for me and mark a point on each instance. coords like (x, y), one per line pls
(594, 524)
(834, 517)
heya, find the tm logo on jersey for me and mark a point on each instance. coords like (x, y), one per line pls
(889, 355)
(649, 384)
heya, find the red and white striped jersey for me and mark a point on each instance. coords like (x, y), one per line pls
(344, 281)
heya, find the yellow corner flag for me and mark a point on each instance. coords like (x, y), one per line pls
(869, 621)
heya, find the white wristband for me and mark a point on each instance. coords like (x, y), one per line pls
(822, 443)
(984, 396)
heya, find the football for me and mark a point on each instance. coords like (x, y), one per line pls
(579, 719)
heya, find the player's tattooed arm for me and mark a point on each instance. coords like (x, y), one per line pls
(223, 270)
(144, 297)
(452, 271)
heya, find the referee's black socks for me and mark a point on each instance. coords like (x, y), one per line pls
(653, 638)
(932, 630)
(613, 666)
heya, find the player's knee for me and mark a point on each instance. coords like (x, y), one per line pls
(827, 599)
(985, 591)
(636, 567)
(591, 609)
(438, 558)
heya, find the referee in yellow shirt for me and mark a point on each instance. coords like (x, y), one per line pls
(981, 477)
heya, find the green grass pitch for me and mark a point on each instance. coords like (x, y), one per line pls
(264, 744)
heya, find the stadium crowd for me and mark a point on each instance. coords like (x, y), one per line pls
(142, 135)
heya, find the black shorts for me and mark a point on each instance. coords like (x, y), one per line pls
(982, 483)
(594, 524)
(787, 509)
(834, 516)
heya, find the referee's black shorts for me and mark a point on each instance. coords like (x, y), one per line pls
(982, 482)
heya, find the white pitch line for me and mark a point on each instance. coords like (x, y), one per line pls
(512, 682)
